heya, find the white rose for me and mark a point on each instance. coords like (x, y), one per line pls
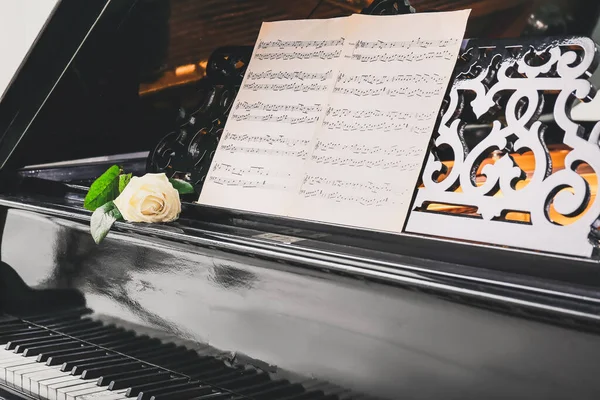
(150, 198)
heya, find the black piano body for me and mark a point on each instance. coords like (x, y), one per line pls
(362, 314)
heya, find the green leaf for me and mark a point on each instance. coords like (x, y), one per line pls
(123, 181)
(103, 219)
(182, 187)
(104, 189)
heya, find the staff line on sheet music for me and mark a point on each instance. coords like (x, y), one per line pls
(290, 75)
(260, 106)
(281, 87)
(395, 57)
(366, 113)
(372, 187)
(266, 139)
(276, 118)
(405, 44)
(338, 197)
(402, 165)
(296, 55)
(375, 127)
(391, 92)
(355, 148)
(381, 79)
(250, 170)
(300, 44)
(231, 148)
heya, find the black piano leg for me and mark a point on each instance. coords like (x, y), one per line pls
(18, 299)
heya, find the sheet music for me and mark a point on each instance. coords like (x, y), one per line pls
(379, 120)
(269, 132)
(334, 118)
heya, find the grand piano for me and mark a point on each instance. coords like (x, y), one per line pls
(225, 304)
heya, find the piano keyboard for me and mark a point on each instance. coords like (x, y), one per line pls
(72, 357)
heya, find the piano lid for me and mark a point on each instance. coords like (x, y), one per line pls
(40, 38)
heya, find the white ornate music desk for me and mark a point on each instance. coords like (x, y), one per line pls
(517, 95)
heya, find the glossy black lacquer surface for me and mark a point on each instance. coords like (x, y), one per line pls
(410, 338)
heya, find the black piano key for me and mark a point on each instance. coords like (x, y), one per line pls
(35, 350)
(132, 344)
(147, 394)
(69, 365)
(218, 396)
(104, 337)
(122, 382)
(154, 353)
(73, 312)
(184, 394)
(7, 319)
(211, 365)
(93, 373)
(31, 333)
(20, 345)
(87, 331)
(66, 327)
(279, 392)
(95, 363)
(61, 356)
(137, 389)
(169, 358)
(105, 380)
(13, 327)
(104, 328)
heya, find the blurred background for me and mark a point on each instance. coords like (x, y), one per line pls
(126, 86)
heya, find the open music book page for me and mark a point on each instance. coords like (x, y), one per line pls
(334, 117)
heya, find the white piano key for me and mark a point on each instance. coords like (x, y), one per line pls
(12, 373)
(61, 393)
(108, 395)
(18, 380)
(30, 379)
(53, 388)
(95, 391)
(43, 385)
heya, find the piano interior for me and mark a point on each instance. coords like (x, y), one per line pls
(233, 305)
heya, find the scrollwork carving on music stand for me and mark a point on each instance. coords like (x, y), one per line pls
(188, 150)
(521, 94)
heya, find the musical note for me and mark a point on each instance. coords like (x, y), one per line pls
(300, 44)
(231, 148)
(395, 150)
(356, 162)
(396, 57)
(247, 183)
(266, 139)
(384, 91)
(290, 75)
(274, 118)
(312, 180)
(284, 87)
(313, 55)
(371, 79)
(406, 44)
(338, 197)
(260, 106)
(366, 113)
(378, 127)
(251, 170)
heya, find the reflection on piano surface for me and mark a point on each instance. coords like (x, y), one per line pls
(228, 305)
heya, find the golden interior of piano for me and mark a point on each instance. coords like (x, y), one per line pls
(526, 162)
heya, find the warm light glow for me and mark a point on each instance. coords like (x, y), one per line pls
(185, 69)
(527, 163)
